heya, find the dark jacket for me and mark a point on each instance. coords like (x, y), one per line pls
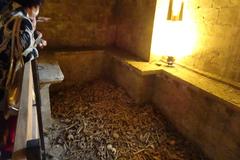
(26, 38)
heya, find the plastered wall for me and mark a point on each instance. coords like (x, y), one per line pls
(134, 26)
(218, 48)
(126, 24)
(78, 23)
(80, 67)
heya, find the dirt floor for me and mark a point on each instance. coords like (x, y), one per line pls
(98, 121)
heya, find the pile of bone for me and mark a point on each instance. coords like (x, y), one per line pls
(99, 121)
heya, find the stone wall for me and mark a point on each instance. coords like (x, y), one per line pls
(134, 26)
(137, 86)
(218, 49)
(128, 24)
(80, 67)
(98, 24)
(203, 118)
(78, 24)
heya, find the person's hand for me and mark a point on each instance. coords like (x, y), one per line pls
(39, 34)
(43, 43)
(39, 41)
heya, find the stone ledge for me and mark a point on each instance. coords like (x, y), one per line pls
(138, 65)
(49, 70)
(220, 90)
(213, 87)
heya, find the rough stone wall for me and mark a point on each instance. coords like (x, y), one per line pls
(80, 23)
(129, 23)
(218, 51)
(80, 67)
(138, 87)
(135, 25)
(203, 118)
(92, 23)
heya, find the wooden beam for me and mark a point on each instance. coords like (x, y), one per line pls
(27, 126)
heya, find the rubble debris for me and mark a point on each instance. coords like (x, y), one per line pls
(99, 121)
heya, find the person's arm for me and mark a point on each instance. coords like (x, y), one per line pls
(27, 40)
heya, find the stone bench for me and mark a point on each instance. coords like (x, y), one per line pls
(49, 73)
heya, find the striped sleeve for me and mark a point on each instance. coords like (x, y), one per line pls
(27, 41)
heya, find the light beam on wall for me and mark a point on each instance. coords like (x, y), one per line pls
(173, 34)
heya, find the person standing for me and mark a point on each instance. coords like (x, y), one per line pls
(18, 44)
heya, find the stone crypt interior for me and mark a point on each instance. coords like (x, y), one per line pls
(141, 79)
